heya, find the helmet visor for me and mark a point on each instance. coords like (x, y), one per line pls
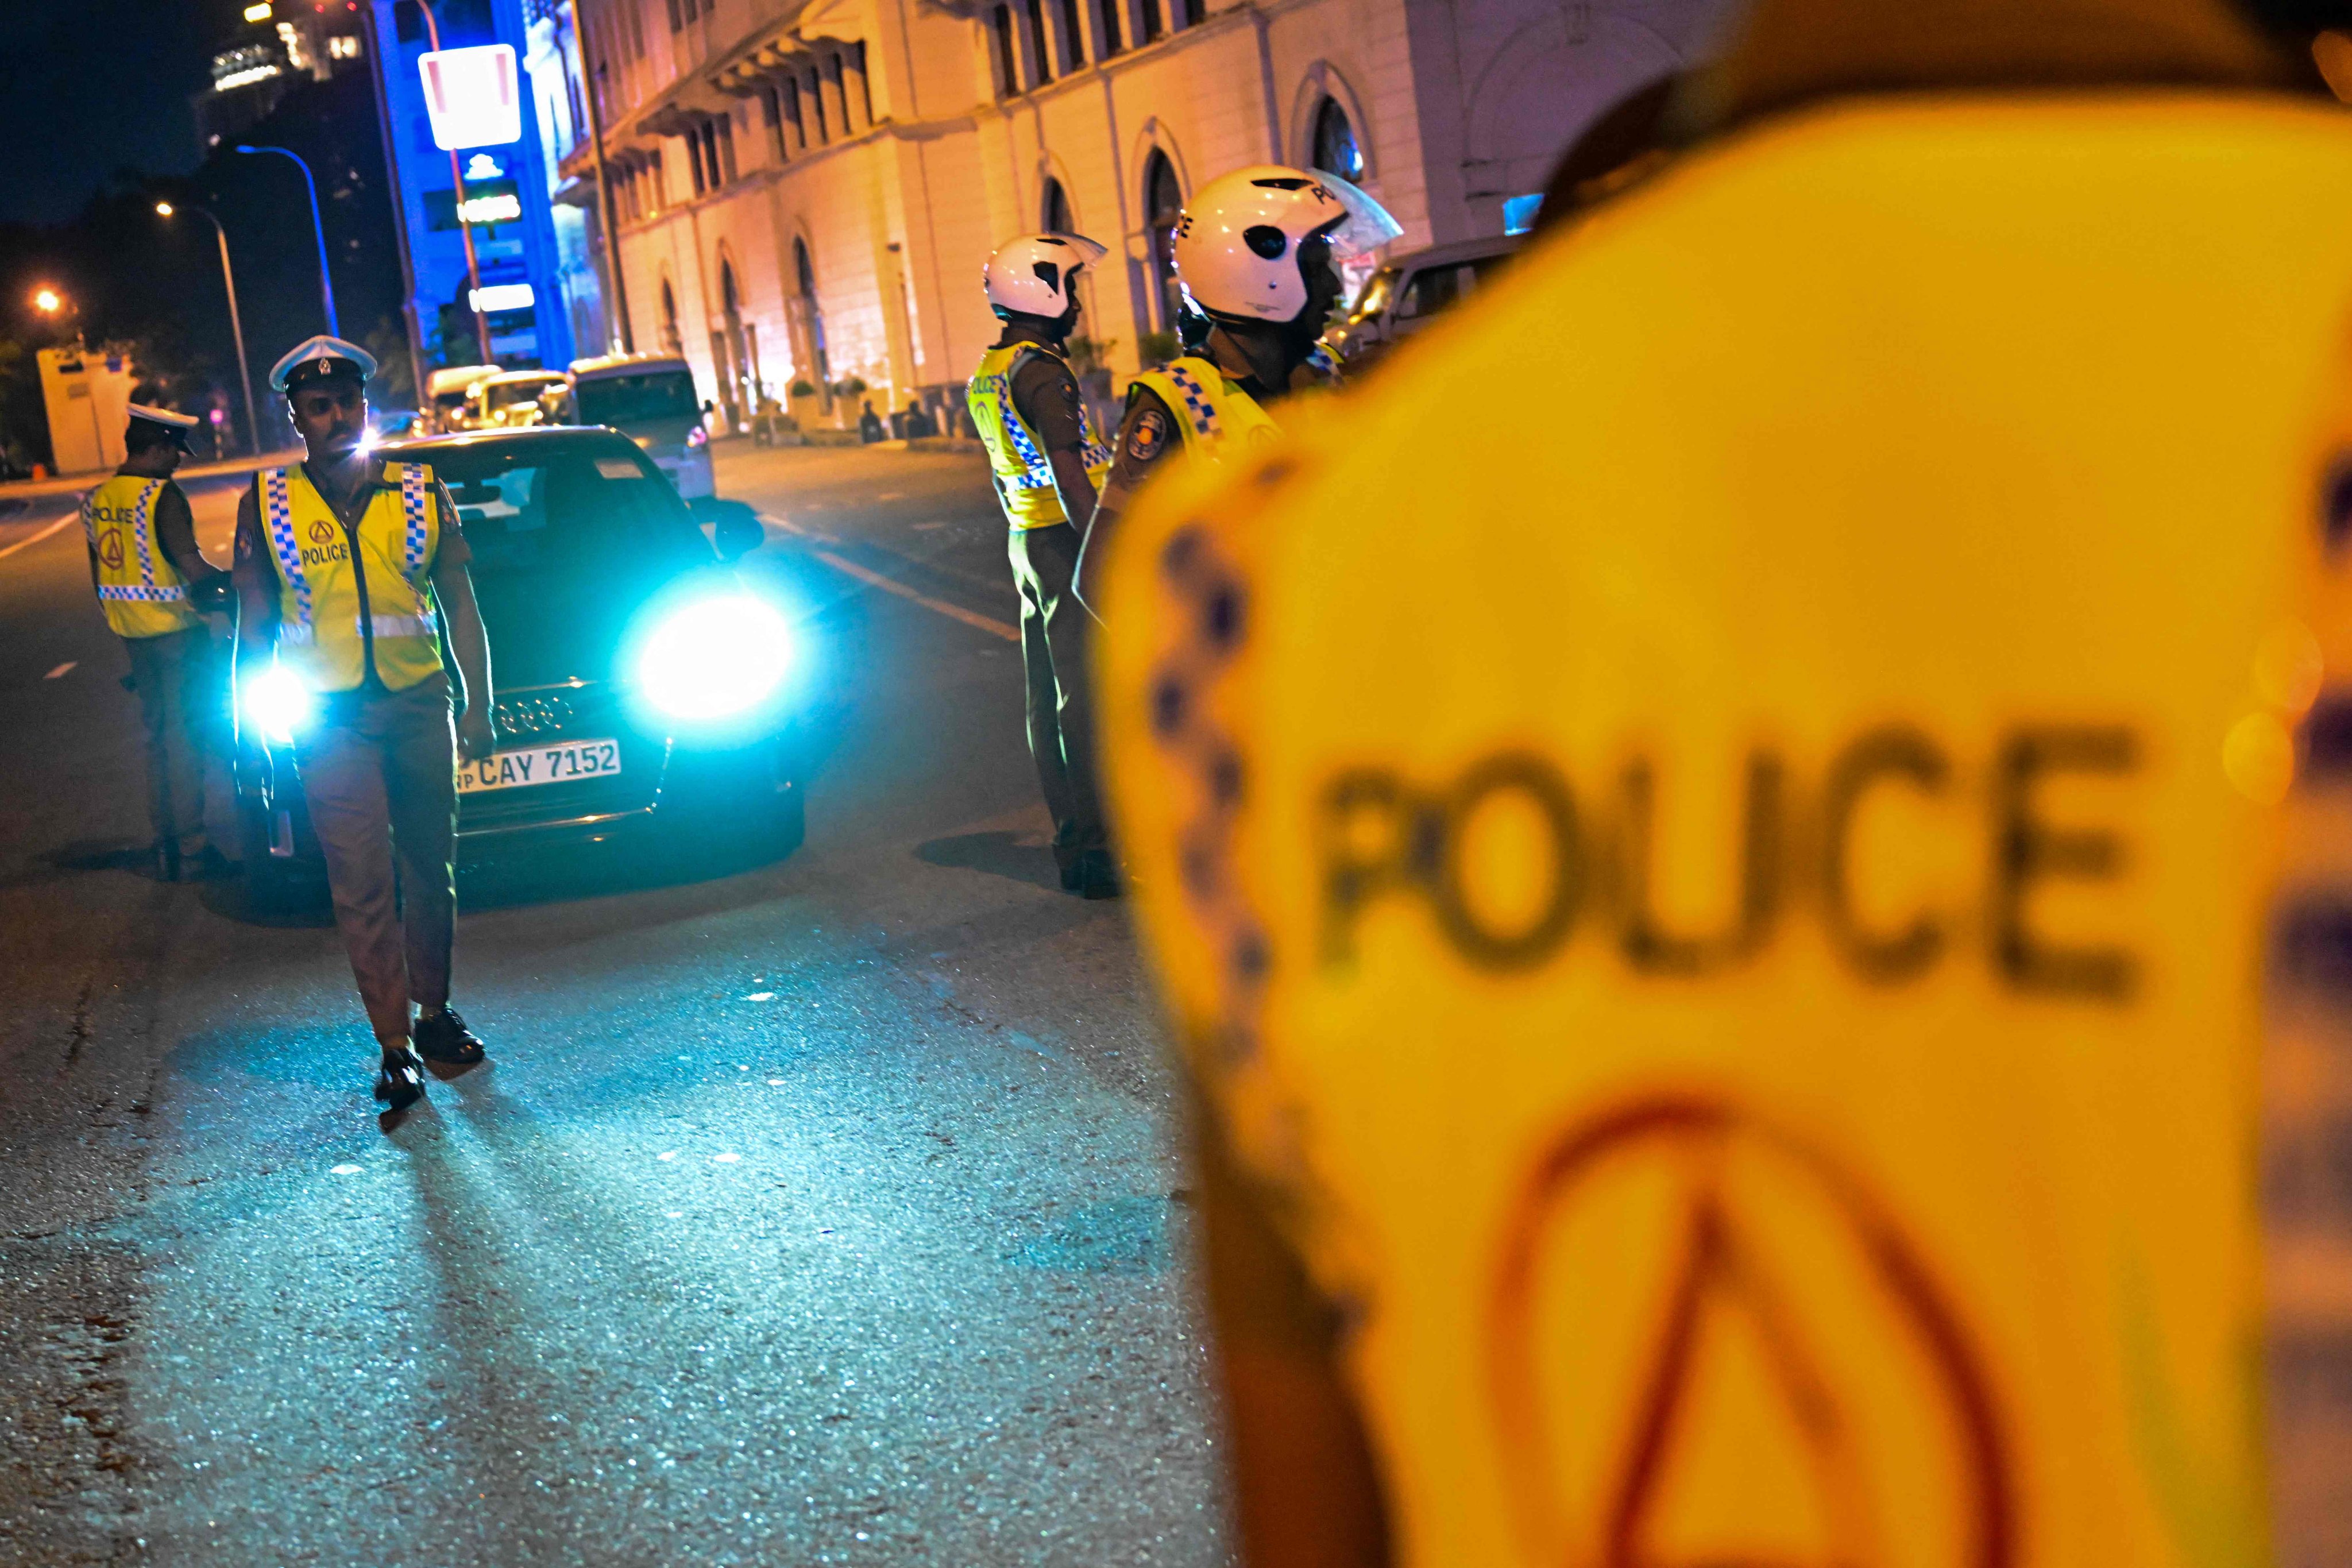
(1367, 226)
(1089, 252)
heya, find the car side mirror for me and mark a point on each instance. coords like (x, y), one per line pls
(735, 527)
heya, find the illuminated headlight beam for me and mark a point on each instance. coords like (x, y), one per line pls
(716, 657)
(273, 702)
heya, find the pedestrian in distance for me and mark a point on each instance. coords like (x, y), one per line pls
(349, 568)
(156, 588)
(870, 427)
(1042, 449)
(919, 421)
(1257, 254)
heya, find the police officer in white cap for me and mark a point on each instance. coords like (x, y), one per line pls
(349, 568)
(154, 588)
(1030, 414)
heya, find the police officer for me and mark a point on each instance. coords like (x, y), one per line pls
(1789, 437)
(1258, 252)
(154, 588)
(1032, 417)
(350, 569)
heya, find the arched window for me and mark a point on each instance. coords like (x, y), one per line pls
(809, 319)
(1057, 209)
(1164, 203)
(1335, 149)
(730, 344)
(672, 340)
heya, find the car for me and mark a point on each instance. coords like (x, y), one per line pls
(447, 391)
(509, 399)
(650, 399)
(1405, 293)
(644, 693)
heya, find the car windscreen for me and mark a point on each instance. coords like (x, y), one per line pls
(507, 393)
(622, 401)
(568, 539)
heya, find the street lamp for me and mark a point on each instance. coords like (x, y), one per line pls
(49, 302)
(235, 327)
(326, 279)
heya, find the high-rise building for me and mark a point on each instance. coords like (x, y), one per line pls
(280, 42)
(517, 257)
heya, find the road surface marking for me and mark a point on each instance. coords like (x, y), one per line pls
(993, 627)
(789, 526)
(28, 543)
(61, 669)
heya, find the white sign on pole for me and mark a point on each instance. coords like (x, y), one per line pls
(474, 96)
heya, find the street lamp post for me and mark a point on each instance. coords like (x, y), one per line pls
(236, 326)
(325, 279)
(465, 229)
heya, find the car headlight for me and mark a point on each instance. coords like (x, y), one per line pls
(715, 658)
(274, 702)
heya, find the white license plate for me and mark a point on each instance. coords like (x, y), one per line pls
(567, 762)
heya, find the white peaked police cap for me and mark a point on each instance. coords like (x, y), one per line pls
(316, 357)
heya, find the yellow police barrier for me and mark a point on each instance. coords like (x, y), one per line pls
(1708, 834)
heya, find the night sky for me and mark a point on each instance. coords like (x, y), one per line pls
(95, 85)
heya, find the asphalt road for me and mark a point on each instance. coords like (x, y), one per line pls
(821, 1211)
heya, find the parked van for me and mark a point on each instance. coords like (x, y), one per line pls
(1410, 291)
(650, 399)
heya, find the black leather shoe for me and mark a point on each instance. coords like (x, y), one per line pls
(400, 1081)
(1073, 873)
(1098, 876)
(443, 1037)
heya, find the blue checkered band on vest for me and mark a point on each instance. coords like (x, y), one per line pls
(412, 505)
(1196, 400)
(139, 530)
(278, 518)
(1040, 474)
(146, 591)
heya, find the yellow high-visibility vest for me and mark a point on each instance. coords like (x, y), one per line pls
(319, 635)
(1211, 408)
(139, 588)
(1710, 835)
(1024, 476)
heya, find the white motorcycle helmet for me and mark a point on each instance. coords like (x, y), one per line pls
(1032, 275)
(1237, 239)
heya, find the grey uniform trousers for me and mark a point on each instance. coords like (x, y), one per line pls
(176, 677)
(1054, 636)
(380, 774)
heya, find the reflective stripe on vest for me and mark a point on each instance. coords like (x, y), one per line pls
(140, 590)
(1210, 406)
(1025, 474)
(318, 603)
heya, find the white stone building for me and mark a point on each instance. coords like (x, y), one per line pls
(806, 189)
